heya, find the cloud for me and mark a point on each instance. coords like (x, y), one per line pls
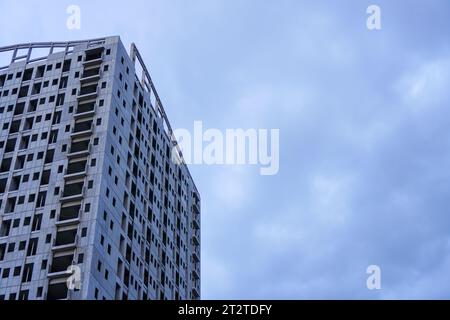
(426, 85)
(363, 119)
(234, 189)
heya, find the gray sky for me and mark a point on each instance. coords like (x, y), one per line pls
(364, 144)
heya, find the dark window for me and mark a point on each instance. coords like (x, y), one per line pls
(32, 247)
(27, 272)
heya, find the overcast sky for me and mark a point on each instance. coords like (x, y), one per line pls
(364, 124)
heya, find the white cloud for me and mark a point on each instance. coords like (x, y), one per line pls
(216, 277)
(231, 187)
(425, 86)
(330, 198)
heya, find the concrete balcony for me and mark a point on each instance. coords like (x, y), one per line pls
(68, 222)
(195, 293)
(72, 198)
(85, 110)
(79, 149)
(60, 274)
(69, 215)
(196, 207)
(93, 62)
(59, 265)
(196, 283)
(75, 170)
(195, 274)
(90, 75)
(196, 253)
(195, 224)
(196, 237)
(196, 265)
(87, 92)
(73, 192)
(65, 247)
(196, 196)
(82, 129)
(57, 290)
(65, 240)
(93, 57)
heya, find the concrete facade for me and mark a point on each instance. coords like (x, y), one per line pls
(88, 190)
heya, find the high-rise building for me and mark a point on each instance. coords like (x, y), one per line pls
(91, 204)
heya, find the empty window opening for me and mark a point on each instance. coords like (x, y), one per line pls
(10, 205)
(69, 212)
(32, 247)
(91, 72)
(40, 202)
(28, 124)
(79, 146)
(88, 89)
(23, 294)
(5, 228)
(49, 156)
(6, 164)
(57, 291)
(56, 117)
(20, 162)
(63, 83)
(36, 88)
(76, 167)
(10, 145)
(27, 74)
(33, 105)
(73, 189)
(40, 71)
(85, 107)
(61, 263)
(2, 251)
(15, 183)
(3, 184)
(66, 65)
(37, 221)
(53, 136)
(15, 126)
(60, 99)
(19, 108)
(94, 54)
(65, 237)
(82, 126)
(45, 177)
(24, 142)
(23, 92)
(27, 272)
